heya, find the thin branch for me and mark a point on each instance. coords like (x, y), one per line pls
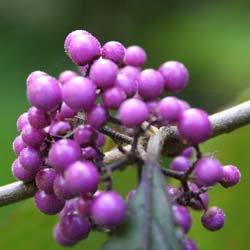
(222, 122)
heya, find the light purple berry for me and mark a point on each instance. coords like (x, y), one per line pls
(22, 121)
(208, 171)
(205, 201)
(231, 176)
(184, 105)
(188, 152)
(44, 93)
(18, 145)
(48, 203)
(85, 135)
(103, 73)
(59, 128)
(45, 179)
(66, 75)
(181, 163)
(182, 217)
(97, 116)
(38, 118)
(82, 47)
(20, 173)
(101, 139)
(133, 112)
(135, 56)
(175, 75)
(113, 97)
(61, 189)
(34, 75)
(213, 219)
(63, 153)
(108, 209)
(79, 93)
(130, 71)
(82, 177)
(69, 207)
(30, 159)
(114, 51)
(194, 126)
(65, 112)
(127, 83)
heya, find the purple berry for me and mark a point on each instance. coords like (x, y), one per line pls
(18, 145)
(82, 47)
(20, 173)
(89, 153)
(108, 209)
(150, 84)
(69, 207)
(133, 112)
(127, 83)
(182, 217)
(194, 126)
(61, 189)
(114, 51)
(45, 179)
(83, 206)
(181, 163)
(48, 203)
(65, 112)
(208, 171)
(231, 176)
(66, 75)
(37, 118)
(101, 139)
(22, 121)
(30, 159)
(32, 137)
(198, 205)
(184, 105)
(58, 236)
(103, 73)
(113, 97)
(63, 153)
(213, 219)
(173, 192)
(59, 128)
(135, 56)
(81, 178)
(130, 71)
(169, 109)
(85, 135)
(74, 227)
(188, 152)
(190, 244)
(175, 75)
(33, 76)
(44, 93)
(97, 116)
(79, 93)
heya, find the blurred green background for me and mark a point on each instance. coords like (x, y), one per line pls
(212, 38)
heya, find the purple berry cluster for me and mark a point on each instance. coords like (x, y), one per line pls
(60, 146)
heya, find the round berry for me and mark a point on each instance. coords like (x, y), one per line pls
(65, 112)
(48, 203)
(18, 145)
(208, 171)
(201, 203)
(231, 176)
(45, 179)
(103, 73)
(114, 51)
(133, 112)
(213, 219)
(188, 152)
(21, 173)
(190, 244)
(127, 83)
(82, 47)
(79, 93)
(113, 97)
(194, 126)
(101, 139)
(181, 163)
(89, 153)
(63, 153)
(83, 206)
(175, 75)
(182, 217)
(30, 159)
(61, 189)
(135, 56)
(130, 71)
(173, 192)
(44, 93)
(34, 75)
(108, 209)
(59, 128)
(22, 121)
(150, 84)
(81, 178)
(37, 118)
(97, 116)
(85, 135)
(66, 75)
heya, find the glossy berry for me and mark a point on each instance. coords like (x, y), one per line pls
(130, 71)
(194, 126)
(150, 84)
(190, 244)
(103, 73)
(37, 118)
(101, 139)
(69, 207)
(81, 177)
(127, 83)
(34, 75)
(181, 163)
(135, 56)
(66, 75)
(18, 145)
(182, 217)
(175, 75)
(184, 105)
(82, 47)
(61, 189)
(65, 112)
(231, 176)
(169, 109)
(74, 227)
(208, 171)
(83, 206)
(114, 51)
(59, 128)
(22, 121)
(79, 93)
(60, 239)
(48, 203)
(204, 199)
(45, 179)
(30, 159)
(89, 153)
(113, 97)
(133, 112)
(213, 219)
(85, 135)
(63, 153)
(97, 116)
(21, 173)
(188, 152)
(44, 93)
(108, 209)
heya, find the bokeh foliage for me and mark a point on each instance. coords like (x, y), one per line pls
(211, 37)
